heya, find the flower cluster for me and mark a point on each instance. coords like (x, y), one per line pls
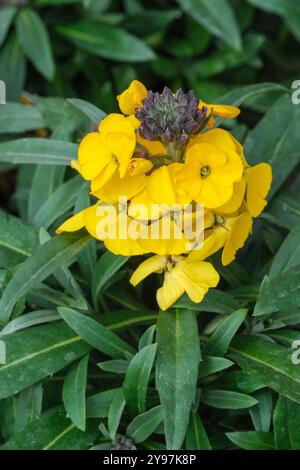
(164, 152)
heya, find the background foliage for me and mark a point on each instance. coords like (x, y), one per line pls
(90, 362)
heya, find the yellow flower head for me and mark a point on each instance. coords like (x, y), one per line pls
(159, 169)
(209, 173)
(102, 153)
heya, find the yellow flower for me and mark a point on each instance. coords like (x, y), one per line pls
(102, 153)
(209, 173)
(180, 275)
(132, 98)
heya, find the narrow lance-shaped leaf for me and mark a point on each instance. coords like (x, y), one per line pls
(96, 334)
(220, 340)
(178, 356)
(74, 393)
(35, 41)
(135, 385)
(38, 151)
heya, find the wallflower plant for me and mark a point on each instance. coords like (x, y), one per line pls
(165, 152)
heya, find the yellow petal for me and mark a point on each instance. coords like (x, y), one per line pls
(103, 178)
(197, 278)
(160, 186)
(132, 98)
(241, 227)
(211, 245)
(139, 166)
(236, 199)
(163, 237)
(155, 264)
(119, 136)
(93, 155)
(117, 187)
(259, 179)
(221, 110)
(170, 291)
(73, 224)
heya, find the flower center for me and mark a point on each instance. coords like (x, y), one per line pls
(220, 220)
(205, 171)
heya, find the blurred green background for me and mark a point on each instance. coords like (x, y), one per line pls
(92, 49)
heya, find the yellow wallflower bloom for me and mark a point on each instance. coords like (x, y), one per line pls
(132, 98)
(209, 173)
(103, 153)
(180, 275)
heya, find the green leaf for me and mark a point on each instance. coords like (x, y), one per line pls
(227, 399)
(35, 353)
(14, 250)
(286, 424)
(28, 406)
(88, 109)
(147, 337)
(261, 413)
(217, 17)
(243, 95)
(143, 425)
(97, 406)
(96, 334)
(74, 393)
(46, 259)
(285, 209)
(36, 317)
(220, 340)
(117, 366)
(196, 437)
(58, 203)
(268, 363)
(281, 125)
(135, 385)
(12, 67)
(20, 118)
(239, 381)
(6, 16)
(38, 151)
(108, 265)
(35, 41)
(52, 431)
(107, 41)
(288, 255)
(45, 181)
(177, 363)
(115, 412)
(211, 364)
(279, 293)
(215, 301)
(252, 440)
